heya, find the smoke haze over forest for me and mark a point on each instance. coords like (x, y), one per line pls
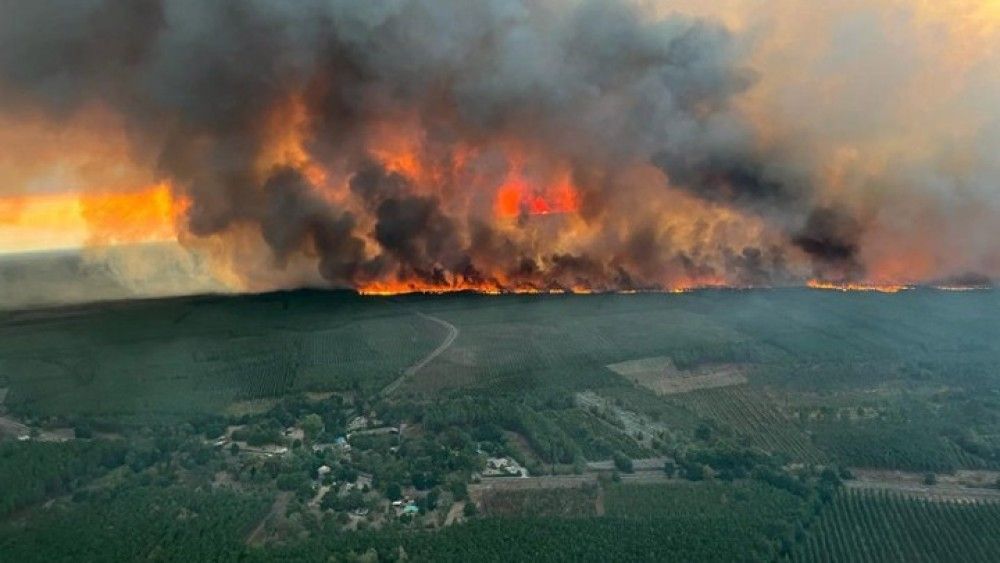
(509, 145)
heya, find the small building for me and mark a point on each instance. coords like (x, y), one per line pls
(269, 450)
(364, 480)
(323, 471)
(503, 467)
(411, 509)
(357, 423)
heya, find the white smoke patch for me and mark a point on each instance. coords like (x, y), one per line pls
(112, 273)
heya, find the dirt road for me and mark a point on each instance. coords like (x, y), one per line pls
(412, 370)
(971, 486)
(277, 511)
(10, 427)
(454, 513)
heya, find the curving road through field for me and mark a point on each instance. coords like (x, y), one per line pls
(412, 370)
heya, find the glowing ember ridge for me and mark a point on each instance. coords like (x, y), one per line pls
(414, 287)
(856, 286)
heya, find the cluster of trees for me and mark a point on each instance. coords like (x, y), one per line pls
(578, 502)
(424, 462)
(727, 462)
(707, 522)
(489, 415)
(32, 471)
(138, 523)
(259, 434)
(321, 421)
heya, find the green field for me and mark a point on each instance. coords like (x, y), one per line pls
(864, 526)
(182, 356)
(922, 365)
(216, 408)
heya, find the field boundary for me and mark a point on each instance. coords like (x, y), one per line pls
(964, 486)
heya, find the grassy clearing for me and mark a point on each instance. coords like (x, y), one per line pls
(661, 376)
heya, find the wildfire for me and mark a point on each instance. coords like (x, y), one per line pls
(506, 287)
(409, 287)
(145, 215)
(415, 287)
(519, 195)
(855, 286)
(288, 133)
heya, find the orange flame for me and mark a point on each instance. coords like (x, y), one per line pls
(287, 125)
(505, 287)
(149, 214)
(519, 195)
(855, 286)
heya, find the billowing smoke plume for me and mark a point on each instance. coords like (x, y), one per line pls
(501, 144)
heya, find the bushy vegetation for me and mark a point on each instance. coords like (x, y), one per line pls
(759, 520)
(179, 357)
(138, 524)
(33, 471)
(643, 523)
(564, 502)
(525, 416)
(536, 539)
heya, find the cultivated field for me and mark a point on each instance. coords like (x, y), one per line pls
(881, 526)
(662, 377)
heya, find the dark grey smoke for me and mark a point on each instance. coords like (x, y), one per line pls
(830, 237)
(292, 216)
(590, 83)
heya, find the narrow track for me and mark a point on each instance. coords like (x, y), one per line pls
(412, 370)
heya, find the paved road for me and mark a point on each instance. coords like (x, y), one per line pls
(412, 370)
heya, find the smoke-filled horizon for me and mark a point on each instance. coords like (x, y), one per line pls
(512, 144)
